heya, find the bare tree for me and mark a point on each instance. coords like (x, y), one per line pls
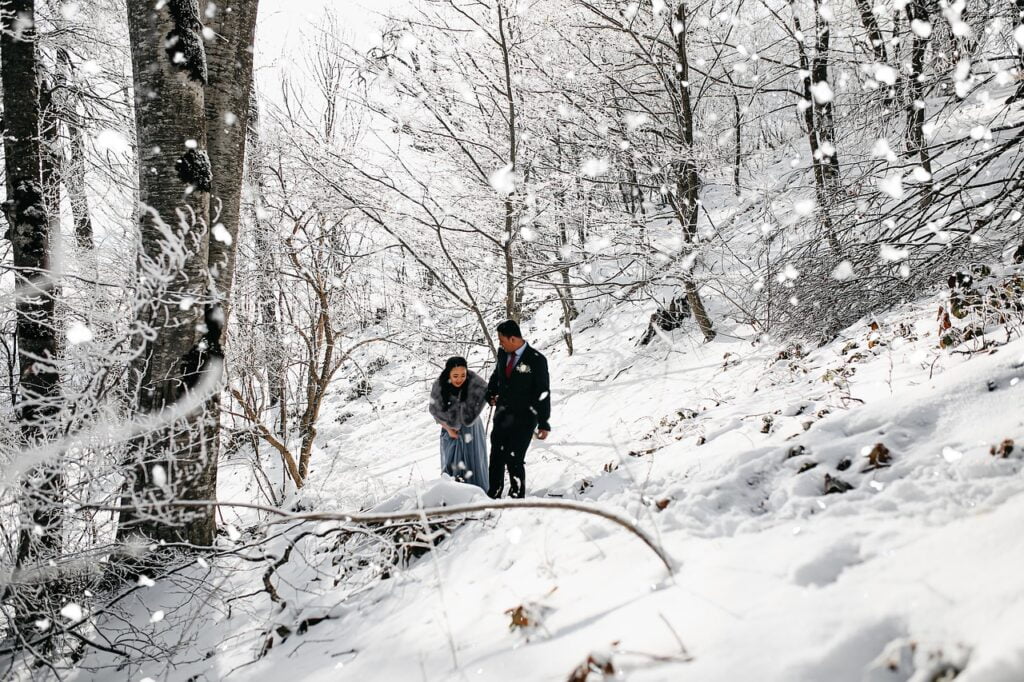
(661, 45)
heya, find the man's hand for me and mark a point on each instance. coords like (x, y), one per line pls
(542, 434)
(493, 401)
(453, 433)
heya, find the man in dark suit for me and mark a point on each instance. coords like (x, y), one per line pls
(519, 388)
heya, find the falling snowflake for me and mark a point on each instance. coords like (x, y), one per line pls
(72, 612)
(111, 141)
(885, 74)
(922, 29)
(892, 254)
(78, 333)
(594, 167)
(804, 208)
(882, 150)
(843, 271)
(221, 234)
(408, 42)
(159, 475)
(891, 185)
(503, 180)
(635, 121)
(981, 133)
(822, 92)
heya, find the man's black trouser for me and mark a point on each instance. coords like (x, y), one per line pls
(510, 439)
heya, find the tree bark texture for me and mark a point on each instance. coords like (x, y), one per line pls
(29, 231)
(688, 182)
(175, 179)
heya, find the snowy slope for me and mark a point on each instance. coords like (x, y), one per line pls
(913, 570)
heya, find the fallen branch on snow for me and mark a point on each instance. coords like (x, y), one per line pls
(422, 514)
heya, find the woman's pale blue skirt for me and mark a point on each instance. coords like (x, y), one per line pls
(465, 458)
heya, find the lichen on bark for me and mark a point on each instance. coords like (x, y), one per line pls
(194, 169)
(185, 47)
(27, 214)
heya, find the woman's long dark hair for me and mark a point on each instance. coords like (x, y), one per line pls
(449, 394)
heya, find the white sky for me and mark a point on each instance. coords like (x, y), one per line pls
(286, 29)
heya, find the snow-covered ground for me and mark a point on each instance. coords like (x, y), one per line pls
(725, 453)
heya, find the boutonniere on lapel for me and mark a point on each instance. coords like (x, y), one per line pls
(523, 368)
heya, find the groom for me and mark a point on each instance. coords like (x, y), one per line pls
(519, 388)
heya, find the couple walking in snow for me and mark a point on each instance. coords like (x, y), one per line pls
(518, 390)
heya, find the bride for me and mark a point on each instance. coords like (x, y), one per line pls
(456, 400)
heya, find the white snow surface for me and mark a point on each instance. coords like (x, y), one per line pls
(917, 567)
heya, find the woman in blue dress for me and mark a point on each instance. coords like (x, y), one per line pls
(456, 401)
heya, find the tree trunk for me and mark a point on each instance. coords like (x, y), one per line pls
(265, 244)
(35, 335)
(821, 184)
(228, 103)
(688, 181)
(229, 58)
(50, 158)
(73, 174)
(1019, 6)
(824, 109)
(513, 295)
(175, 178)
(737, 143)
(569, 310)
(876, 41)
(916, 143)
(513, 310)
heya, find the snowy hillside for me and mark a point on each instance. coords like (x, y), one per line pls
(750, 463)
